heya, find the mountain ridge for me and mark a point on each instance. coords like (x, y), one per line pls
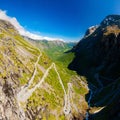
(97, 58)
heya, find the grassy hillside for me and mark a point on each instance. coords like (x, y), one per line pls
(38, 78)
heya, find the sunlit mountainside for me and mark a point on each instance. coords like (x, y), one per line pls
(32, 85)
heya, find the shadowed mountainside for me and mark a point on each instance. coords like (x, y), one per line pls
(97, 57)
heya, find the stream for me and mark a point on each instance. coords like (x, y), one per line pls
(90, 97)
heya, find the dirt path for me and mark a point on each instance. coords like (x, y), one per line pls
(35, 70)
(25, 92)
(24, 89)
(28, 92)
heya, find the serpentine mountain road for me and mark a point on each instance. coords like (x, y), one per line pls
(25, 92)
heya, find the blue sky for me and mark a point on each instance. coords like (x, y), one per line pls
(66, 19)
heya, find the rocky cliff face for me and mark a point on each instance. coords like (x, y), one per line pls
(97, 58)
(9, 74)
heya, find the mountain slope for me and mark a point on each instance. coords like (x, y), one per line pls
(32, 86)
(97, 57)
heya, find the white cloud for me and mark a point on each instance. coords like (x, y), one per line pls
(21, 29)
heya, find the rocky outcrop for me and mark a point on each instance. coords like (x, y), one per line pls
(9, 107)
(91, 30)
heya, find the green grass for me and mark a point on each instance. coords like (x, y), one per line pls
(56, 52)
(80, 90)
(24, 79)
(42, 97)
(26, 45)
(45, 61)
